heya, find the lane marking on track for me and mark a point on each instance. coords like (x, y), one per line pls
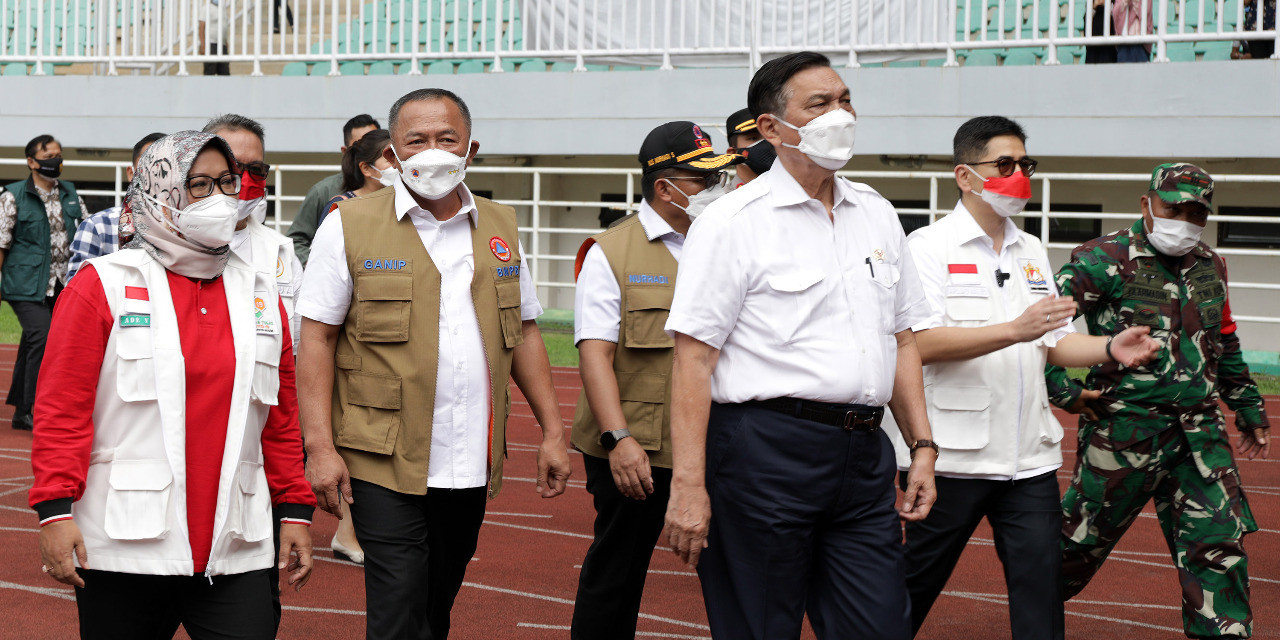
(662, 572)
(992, 598)
(541, 530)
(19, 529)
(22, 509)
(16, 451)
(581, 484)
(333, 560)
(65, 594)
(26, 459)
(538, 596)
(345, 612)
(639, 634)
(15, 490)
(987, 542)
(519, 515)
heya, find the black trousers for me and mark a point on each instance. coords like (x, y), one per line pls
(802, 520)
(416, 551)
(126, 606)
(613, 573)
(34, 317)
(1026, 520)
(276, 13)
(217, 68)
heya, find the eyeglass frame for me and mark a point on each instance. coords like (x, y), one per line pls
(1027, 164)
(214, 182)
(257, 169)
(709, 179)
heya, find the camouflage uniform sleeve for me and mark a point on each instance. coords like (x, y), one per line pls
(1236, 385)
(1063, 389)
(1082, 277)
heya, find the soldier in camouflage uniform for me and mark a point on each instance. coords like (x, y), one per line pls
(1156, 431)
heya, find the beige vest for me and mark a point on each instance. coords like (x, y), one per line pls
(385, 383)
(646, 273)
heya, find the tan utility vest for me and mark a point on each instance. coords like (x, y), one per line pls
(646, 273)
(385, 384)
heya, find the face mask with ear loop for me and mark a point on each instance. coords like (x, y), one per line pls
(1173, 237)
(1008, 196)
(433, 173)
(827, 139)
(697, 202)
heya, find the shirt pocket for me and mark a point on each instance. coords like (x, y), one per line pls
(383, 302)
(135, 365)
(266, 370)
(968, 309)
(794, 299)
(643, 397)
(371, 416)
(249, 517)
(646, 318)
(886, 280)
(959, 416)
(509, 312)
(138, 499)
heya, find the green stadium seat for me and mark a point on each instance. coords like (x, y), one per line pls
(1181, 52)
(508, 66)
(903, 64)
(625, 67)
(1214, 50)
(296, 69)
(1023, 56)
(983, 57)
(563, 66)
(533, 66)
(440, 67)
(471, 66)
(15, 69)
(404, 68)
(382, 68)
(351, 68)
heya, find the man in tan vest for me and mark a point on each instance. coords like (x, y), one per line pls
(420, 311)
(625, 279)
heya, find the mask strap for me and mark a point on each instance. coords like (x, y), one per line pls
(975, 173)
(687, 201)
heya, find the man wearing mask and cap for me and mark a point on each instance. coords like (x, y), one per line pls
(623, 422)
(1157, 432)
(994, 318)
(38, 217)
(256, 243)
(792, 327)
(417, 315)
(745, 140)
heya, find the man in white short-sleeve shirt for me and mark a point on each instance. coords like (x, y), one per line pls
(792, 320)
(993, 318)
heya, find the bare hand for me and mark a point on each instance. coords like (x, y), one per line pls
(1257, 441)
(921, 493)
(630, 466)
(1083, 405)
(688, 521)
(1134, 347)
(295, 553)
(329, 479)
(1042, 317)
(60, 545)
(553, 465)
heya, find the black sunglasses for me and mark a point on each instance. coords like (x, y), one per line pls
(1005, 165)
(255, 169)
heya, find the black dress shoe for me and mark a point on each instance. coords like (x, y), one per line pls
(23, 422)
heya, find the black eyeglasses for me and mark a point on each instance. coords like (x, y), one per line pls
(202, 186)
(709, 180)
(255, 169)
(1005, 165)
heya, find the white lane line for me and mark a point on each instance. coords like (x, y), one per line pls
(65, 594)
(19, 529)
(987, 542)
(1166, 607)
(22, 458)
(22, 509)
(639, 634)
(334, 560)
(661, 572)
(28, 450)
(345, 612)
(537, 596)
(17, 478)
(541, 530)
(572, 483)
(518, 515)
(19, 489)
(994, 599)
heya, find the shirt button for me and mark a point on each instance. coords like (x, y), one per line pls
(203, 311)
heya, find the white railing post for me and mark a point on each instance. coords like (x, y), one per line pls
(333, 39)
(1052, 52)
(756, 32)
(109, 32)
(119, 173)
(275, 212)
(182, 39)
(39, 31)
(582, 31)
(666, 34)
(535, 219)
(1044, 211)
(933, 198)
(257, 38)
(1162, 29)
(853, 35)
(953, 11)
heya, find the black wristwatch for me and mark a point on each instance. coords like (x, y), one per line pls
(610, 439)
(920, 444)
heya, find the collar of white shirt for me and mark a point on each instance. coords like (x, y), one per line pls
(968, 229)
(784, 191)
(405, 204)
(653, 224)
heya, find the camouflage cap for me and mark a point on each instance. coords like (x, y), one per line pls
(1178, 182)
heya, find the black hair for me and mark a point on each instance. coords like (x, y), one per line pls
(233, 122)
(142, 144)
(768, 90)
(365, 150)
(649, 180)
(428, 94)
(38, 144)
(358, 122)
(970, 143)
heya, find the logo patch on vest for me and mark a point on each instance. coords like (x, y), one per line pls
(135, 320)
(1035, 277)
(500, 249)
(513, 270)
(646, 279)
(262, 323)
(279, 267)
(390, 264)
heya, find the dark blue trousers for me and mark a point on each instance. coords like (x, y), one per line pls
(802, 520)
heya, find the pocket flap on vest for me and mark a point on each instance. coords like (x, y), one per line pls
(385, 286)
(133, 343)
(144, 475)
(639, 298)
(373, 390)
(961, 398)
(508, 293)
(642, 387)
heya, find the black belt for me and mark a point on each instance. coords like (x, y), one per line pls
(850, 417)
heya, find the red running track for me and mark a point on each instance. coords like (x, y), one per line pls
(523, 579)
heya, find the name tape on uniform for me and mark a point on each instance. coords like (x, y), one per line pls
(646, 279)
(391, 264)
(513, 270)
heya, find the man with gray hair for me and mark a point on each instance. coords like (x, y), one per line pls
(414, 320)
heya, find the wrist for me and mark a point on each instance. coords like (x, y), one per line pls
(1109, 355)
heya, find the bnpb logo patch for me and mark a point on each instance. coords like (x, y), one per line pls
(500, 249)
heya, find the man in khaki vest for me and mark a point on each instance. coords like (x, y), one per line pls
(625, 279)
(420, 311)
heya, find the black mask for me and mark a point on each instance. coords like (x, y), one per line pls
(760, 156)
(50, 167)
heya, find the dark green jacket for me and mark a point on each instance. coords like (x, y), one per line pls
(27, 263)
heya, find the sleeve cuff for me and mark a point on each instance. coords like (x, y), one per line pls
(295, 513)
(51, 511)
(1251, 418)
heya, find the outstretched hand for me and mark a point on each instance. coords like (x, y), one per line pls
(1133, 347)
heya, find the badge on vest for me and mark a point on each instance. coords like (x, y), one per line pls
(964, 275)
(279, 267)
(1036, 280)
(135, 320)
(500, 249)
(262, 321)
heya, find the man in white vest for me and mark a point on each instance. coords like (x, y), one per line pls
(995, 316)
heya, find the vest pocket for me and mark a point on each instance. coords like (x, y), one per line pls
(135, 365)
(266, 371)
(138, 499)
(250, 514)
(371, 412)
(959, 416)
(968, 309)
(646, 318)
(509, 312)
(643, 396)
(382, 306)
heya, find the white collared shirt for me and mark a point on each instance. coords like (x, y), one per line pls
(597, 300)
(798, 305)
(460, 422)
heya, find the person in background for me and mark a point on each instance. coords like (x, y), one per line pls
(37, 219)
(307, 220)
(364, 169)
(1257, 49)
(742, 133)
(169, 422)
(99, 234)
(1099, 53)
(215, 34)
(1132, 18)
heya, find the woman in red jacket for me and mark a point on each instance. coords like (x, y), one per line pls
(167, 419)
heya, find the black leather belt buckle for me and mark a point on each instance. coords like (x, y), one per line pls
(854, 420)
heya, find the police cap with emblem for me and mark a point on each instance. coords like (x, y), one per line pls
(682, 145)
(740, 122)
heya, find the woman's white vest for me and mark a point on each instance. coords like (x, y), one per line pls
(975, 406)
(273, 252)
(134, 510)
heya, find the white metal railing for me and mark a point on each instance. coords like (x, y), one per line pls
(542, 210)
(164, 35)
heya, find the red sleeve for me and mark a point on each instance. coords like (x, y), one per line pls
(68, 389)
(1228, 323)
(282, 437)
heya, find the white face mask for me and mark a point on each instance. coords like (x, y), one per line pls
(698, 201)
(210, 223)
(827, 139)
(388, 176)
(256, 208)
(1173, 237)
(433, 173)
